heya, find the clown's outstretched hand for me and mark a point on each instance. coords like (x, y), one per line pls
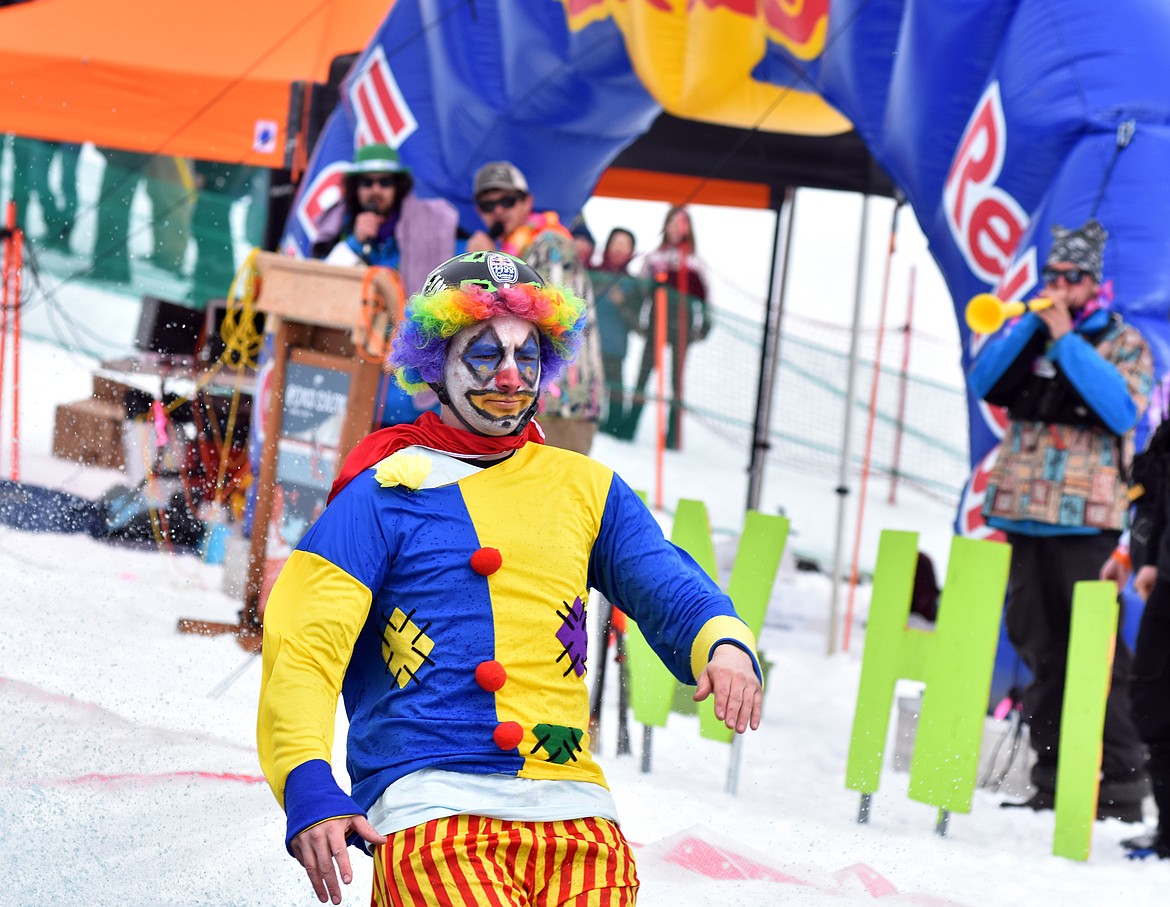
(730, 676)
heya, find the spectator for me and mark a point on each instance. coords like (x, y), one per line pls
(616, 299)
(442, 595)
(586, 244)
(571, 409)
(687, 317)
(1074, 378)
(1149, 553)
(382, 222)
(924, 599)
(374, 186)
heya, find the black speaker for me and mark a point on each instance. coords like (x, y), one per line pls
(166, 327)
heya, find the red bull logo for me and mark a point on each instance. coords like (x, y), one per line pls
(985, 221)
(797, 25)
(323, 194)
(382, 114)
(971, 522)
(995, 417)
(699, 58)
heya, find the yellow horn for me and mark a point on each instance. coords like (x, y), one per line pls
(986, 312)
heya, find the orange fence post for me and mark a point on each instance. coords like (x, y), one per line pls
(900, 422)
(17, 269)
(7, 262)
(659, 357)
(680, 345)
(873, 393)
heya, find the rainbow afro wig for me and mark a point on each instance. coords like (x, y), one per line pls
(474, 287)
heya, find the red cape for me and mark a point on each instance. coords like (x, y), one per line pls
(427, 431)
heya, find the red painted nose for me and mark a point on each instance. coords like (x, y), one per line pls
(508, 379)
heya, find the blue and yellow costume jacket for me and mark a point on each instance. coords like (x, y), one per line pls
(452, 621)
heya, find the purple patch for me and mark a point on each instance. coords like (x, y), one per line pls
(573, 636)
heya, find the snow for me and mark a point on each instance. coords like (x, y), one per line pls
(128, 773)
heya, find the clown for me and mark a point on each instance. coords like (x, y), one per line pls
(456, 632)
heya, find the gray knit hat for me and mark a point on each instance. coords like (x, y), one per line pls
(1084, 247)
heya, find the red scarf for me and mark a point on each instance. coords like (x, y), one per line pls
(427, 431)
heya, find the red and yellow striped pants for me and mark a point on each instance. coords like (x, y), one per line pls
(470, 861)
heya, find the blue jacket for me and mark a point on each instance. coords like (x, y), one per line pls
(1072, 405)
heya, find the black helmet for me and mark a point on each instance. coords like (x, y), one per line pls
(491, 271)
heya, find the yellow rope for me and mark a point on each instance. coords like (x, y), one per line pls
(241, 349)
(241, 339)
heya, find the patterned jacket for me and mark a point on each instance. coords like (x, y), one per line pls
(449, 656)
(545, 244)
(1073, 406)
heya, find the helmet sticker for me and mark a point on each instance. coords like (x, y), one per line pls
(502, 268)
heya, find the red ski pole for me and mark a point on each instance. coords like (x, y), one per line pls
(6, 260)
(17, 269)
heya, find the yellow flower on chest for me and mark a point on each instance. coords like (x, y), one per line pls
(407, 470)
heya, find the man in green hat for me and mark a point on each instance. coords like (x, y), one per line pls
(375, 186)
(380, 221)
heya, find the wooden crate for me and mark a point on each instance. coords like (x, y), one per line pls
(110, 390)
(90, 431)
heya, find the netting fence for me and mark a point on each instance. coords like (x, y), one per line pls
(919, 425)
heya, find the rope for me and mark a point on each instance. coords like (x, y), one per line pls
(369, 334)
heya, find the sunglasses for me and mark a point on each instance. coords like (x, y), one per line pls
(1072, 276)
(366, 182)
(507, 202)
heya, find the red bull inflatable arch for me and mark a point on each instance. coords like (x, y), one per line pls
(995, 119)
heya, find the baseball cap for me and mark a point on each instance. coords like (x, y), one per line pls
(500, 175)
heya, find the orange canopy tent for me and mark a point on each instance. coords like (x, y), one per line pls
(219, 80)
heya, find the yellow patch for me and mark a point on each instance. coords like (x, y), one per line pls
(405, 647)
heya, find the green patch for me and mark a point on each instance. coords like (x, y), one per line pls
(561, 743)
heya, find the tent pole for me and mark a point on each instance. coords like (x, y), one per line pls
(770, 349)
(769, 359)
(846, 427)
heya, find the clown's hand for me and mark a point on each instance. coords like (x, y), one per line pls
(320, 846)
(730, 676)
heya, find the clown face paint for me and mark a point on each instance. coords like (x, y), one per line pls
(492, 375)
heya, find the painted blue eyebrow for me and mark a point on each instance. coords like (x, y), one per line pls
(484, 350)
(530, 348)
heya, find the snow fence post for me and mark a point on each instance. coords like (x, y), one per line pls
(1092, 641)
(955, 662)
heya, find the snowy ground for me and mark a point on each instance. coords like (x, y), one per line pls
(128, 774)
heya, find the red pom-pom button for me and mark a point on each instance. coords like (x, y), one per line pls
(486, 561)
(508, 735)
(490, 675)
